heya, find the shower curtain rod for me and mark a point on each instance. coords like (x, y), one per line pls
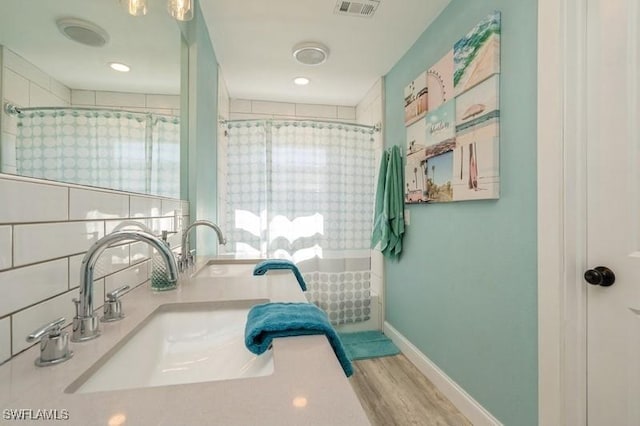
(375, 128)
(11, 109)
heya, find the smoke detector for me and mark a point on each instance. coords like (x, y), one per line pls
(83, 32)
(361, 8)
(310, 53)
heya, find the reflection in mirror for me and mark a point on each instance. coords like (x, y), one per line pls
(68, 116)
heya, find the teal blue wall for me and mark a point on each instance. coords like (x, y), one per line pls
(465, 290)
(201, 149)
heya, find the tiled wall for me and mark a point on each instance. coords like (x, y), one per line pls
(25, 85)
(243, 109)
(159, 104)
(46, 227)
(370, 111)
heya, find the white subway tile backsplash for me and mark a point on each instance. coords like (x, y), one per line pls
(87, 205)
(35, 243)
(23, 67)
(32, 202)
(276, 108)
(83, 97)
(162, 224)
(346, 113)
(40, 222)
(240, 105)
(24, 322)
(6, 257)
(133, 276)
(120, 99)
(112, 260)
(171, 207)
(5, 339)
(15, 88)
(144, 206)
(163, 101)
(140, 251)
(316, 111)
(22, 287)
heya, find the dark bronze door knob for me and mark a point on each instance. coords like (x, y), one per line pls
(600, 275)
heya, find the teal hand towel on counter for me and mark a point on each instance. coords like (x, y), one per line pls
(272, 320)
(266, 265)
(389, 214)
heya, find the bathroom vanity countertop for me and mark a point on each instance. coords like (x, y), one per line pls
(305, 371)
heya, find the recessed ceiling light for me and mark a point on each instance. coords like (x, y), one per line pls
(310, 53)
(301, 81)
(119, 66)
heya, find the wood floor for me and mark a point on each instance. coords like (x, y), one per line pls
(393, 392)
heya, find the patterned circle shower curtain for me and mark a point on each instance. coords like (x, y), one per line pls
(136, 152)
(305, 191)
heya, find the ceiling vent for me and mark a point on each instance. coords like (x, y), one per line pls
(362, 8)
(83, 32)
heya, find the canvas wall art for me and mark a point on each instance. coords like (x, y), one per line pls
(453, 145)
(415, 99)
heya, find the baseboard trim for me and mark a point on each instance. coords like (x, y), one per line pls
(468, 406)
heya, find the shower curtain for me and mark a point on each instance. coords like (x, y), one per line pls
(135, 152)
(304, 191)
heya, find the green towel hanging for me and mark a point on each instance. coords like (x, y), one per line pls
(389, 210)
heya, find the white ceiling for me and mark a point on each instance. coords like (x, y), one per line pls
(149, 44)
(253, 41)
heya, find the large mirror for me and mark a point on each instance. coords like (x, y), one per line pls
(68, 116)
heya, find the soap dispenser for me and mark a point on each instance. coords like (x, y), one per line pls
(159, 275)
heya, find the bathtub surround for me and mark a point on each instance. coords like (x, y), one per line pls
(46, 227)
(464, 294)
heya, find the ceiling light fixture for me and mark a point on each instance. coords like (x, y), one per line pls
(135, 7)
(182, 10)
(310, 53)
(118, 66)
(301, 81)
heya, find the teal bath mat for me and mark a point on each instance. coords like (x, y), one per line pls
(367, 344)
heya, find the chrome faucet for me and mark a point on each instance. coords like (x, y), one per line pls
(186, 258)
(86, 325)
(133, 223)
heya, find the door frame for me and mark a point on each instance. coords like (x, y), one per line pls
(562, 231)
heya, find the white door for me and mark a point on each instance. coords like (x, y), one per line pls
(613, 211)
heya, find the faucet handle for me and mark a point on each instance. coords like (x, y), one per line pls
(112, 296)
(165, 234)
(54, 344)
(53, 329)
(113, 305)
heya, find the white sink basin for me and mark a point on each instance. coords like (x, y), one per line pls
(180, 343)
